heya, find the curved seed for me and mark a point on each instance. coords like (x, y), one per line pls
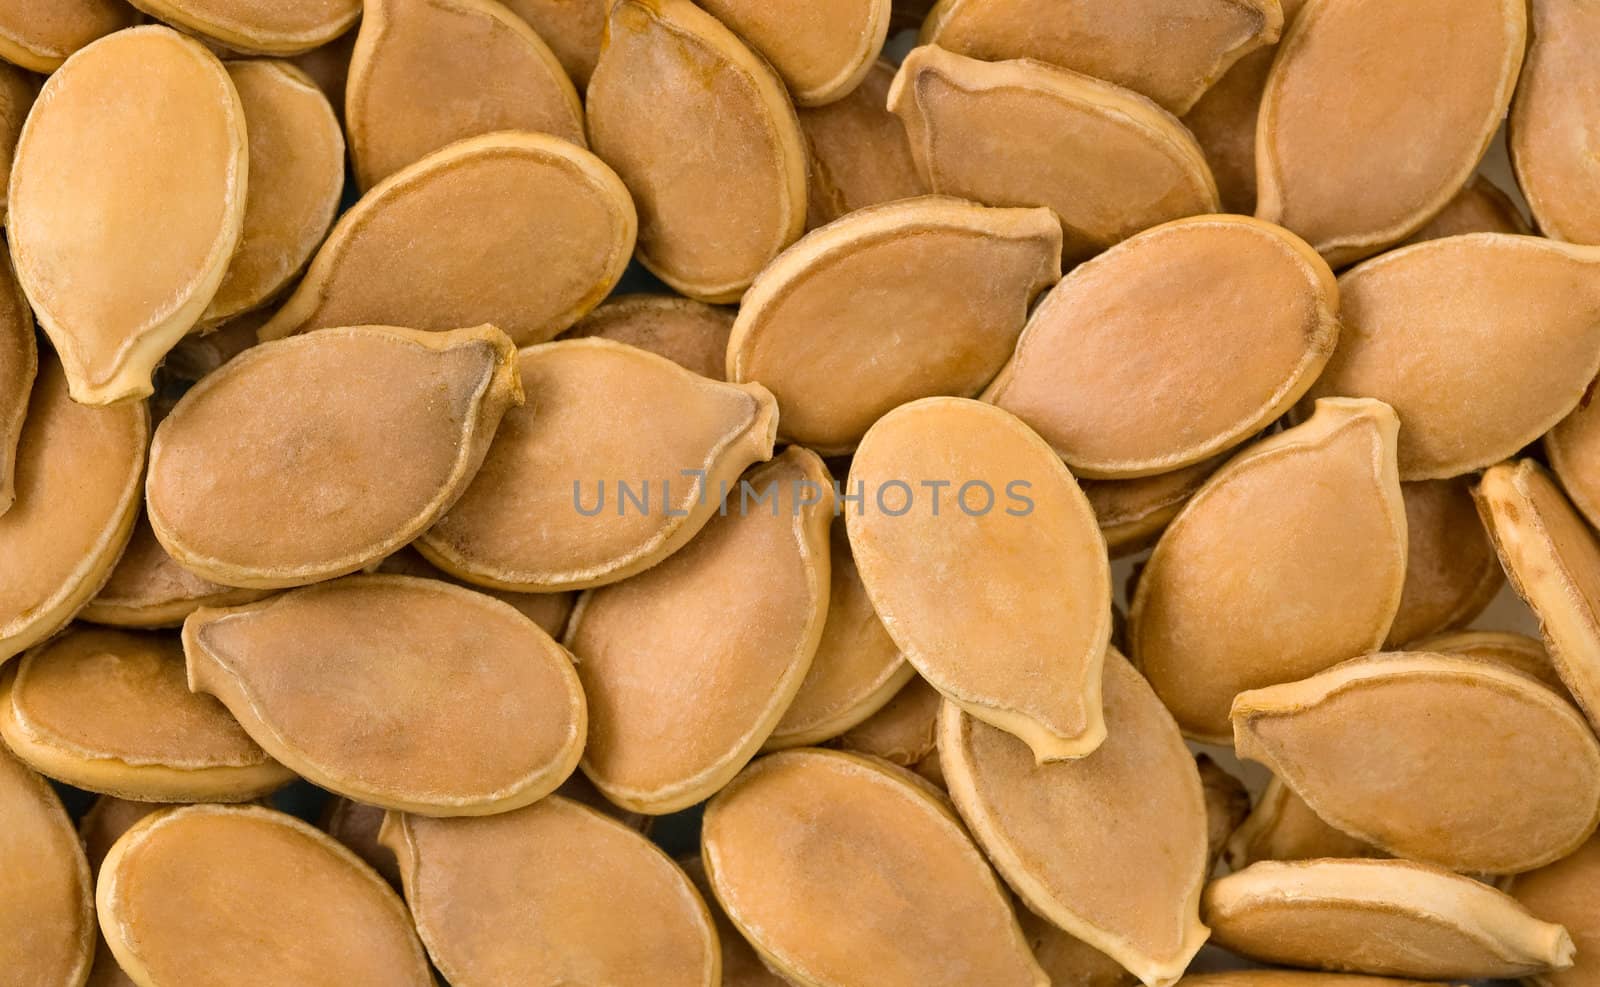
(1480, 207)
(670, 69)
(691, 334)
(738, 612)
(329, 67)
(1481, 343)
(1573, 451)
(1231, 307)
(372, 431)
(1068, 961)
(113, 290)
(741, 964)
(806, 840)
(47, 929)
(822, 51)
(1484, 770)
(427, 73)
(1563, 892)
(148, 589)
(296, 177)
(242, 894)
(533, 896)
(1386, 917)
(19, 365)
(857, 669)
(1353, 84)
(356, 825)
(476, 709)
(1001, 595)
(41, 34)
(1283, 827)
(1552, 560)
(1452, 571)
(1132, 513)
(525, 231)
(567, 499)
(260, 27)
(79, 470)
(825, 325)
(549, 610)
(860, 156)
(1024, 133)
(17, 92)
(1554, 125)
(905, 731)
(1517, 651)
(1056, 831)
(1245, 588)
(111, 712)
(1138, 44)
(574, 30)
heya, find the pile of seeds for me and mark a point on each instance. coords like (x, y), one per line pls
(1026, 520)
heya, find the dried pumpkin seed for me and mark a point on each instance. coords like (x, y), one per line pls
(19, 365)
(1004, 606)
(1517, 651)
(1023, 133)
(905, 731)
(525, 231)
(369, 433)
(842, 871)
(691, 334)
(571, 496)
(820, 50)
(1054, 831)
(1573, 450)
(741, 965)
(1485, 770)
(1480, 207)
(110, 711)
(17, 92)
(41, 34)
(1070, 962)
(1554, 126)
(574, 30)
(668, 69)
(242, 894)
(260, 27)
(1283, 827)
(148, 589)
(113, 290)
(356, 825)
(1244, 589)
(427, 73)
(1290, 978)
(1227, 807)
(549, 610)
(46, 905)
(1481, 343)
(1452, 571)
(721, 634)
(1132, 513)
(859, 152)
(534, 895)
(825, 325)
(399, 692)
(105, 822)
(1386, 917)
(1563, 892)
(1218, 324)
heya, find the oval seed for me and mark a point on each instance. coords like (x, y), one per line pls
(857, 668)
(296, 177)
(1230, 307)
(549, 610)
(79, 470)
(1024, 133)
(574, 30)
(1058, 831)
(1452, 571)
(111, 712)
(825, 325)
(113, 290)
(905, 731)
(525, 231)
(1140, 44)
(1068, 961)
(670, 69)
(1484, 770)
(149, 589)
(820, 50)
(572, 495)
(1554, 126)
(329, 67)
(19, 365)
(1481, 344)
(1573, 451)
(476, 709)
(1516, 651)
(1552, 560)
(859, 152)
(1353, 85)
(46, 909)
(17, 92)
(261, 27)
(1003, 605)
(1132, 513)
(40, 34)
(1386, 917)
(741, 964)
(373, 432)
(356, 825)
(1480, 207)
(534, 895)
(1245, 588)
(691, 334)
(1283, 827)
(808, 840)
(1563, 892)
(241, 894)
(738, 612)
(426, 73)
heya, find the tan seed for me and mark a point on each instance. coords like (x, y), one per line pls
(105, 822)
(1480, 207)
(741, 964)
(46, 906)
(1070, 962)
(691, 334)
(905, 731)
(1227, 806)
(821, 50)
(859, 152)
(1451, 569)
(1283, 827)
(1290, 978)
(1563, 892)
(261, 27)
(17, 92)
(1132, 513)
(19, 365)
(574, 30)
(1554, 125)
(549, 610)
(147, 588)
(1573, 451)
(1517, 651)
(40, 34)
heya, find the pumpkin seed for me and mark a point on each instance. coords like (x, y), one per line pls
(1227, 807)
(148, 589)
(1554, 125)
(260, 27)
(859, 152)
(904, 731)
(574, 30)
(1480, 207)
(1517, 651)
(820, 50)
(17, 92)
(691, 334)
(1573, 451)
(549, 610)
(41, 34)
(1563, 892)
(1283, 827)
(1451, 569)
(741, 965)
(1132, 513)
(356, 825)
(19, 365)
(46, 908)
